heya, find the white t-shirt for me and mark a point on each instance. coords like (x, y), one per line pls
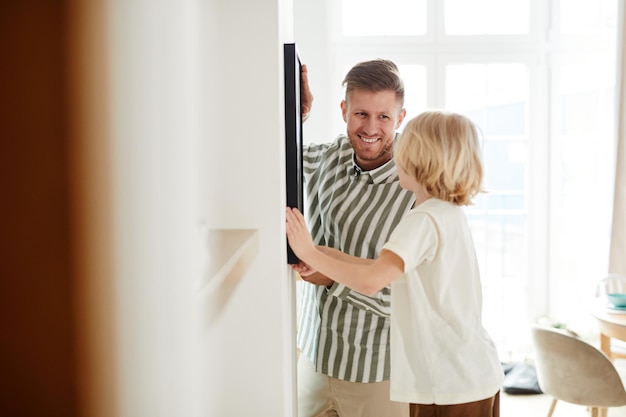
(440, 352)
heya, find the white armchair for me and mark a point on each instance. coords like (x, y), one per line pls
(571, 370)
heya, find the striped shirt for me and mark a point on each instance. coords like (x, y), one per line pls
(345, 333)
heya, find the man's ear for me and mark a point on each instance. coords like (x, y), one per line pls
(344, 110)
(401, 117)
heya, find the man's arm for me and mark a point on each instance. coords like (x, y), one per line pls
(378, 303)
(369, 298)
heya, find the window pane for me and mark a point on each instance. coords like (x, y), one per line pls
(588, 16)
(486, 17)
(415, 94)
(393, 18)
(495, 97)
(582, 160)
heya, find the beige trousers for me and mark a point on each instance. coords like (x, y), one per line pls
(322, 396)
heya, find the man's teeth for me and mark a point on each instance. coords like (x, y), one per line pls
(368, 140)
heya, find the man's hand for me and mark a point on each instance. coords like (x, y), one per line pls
(303, 269)
(318, 279)
(307, 96)
(309, 274)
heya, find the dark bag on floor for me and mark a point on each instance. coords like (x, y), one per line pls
(520, 379)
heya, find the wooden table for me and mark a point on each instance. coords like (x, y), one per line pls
(612, 325)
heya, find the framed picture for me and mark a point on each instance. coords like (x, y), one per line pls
(293, 134)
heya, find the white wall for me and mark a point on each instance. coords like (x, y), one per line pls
(190, 127)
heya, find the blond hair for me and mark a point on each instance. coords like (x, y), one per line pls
(442, 151)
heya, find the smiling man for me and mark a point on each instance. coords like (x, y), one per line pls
(354, 201)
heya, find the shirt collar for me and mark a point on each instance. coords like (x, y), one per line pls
(384, 173)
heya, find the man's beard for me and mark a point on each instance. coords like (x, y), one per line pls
(385, 153)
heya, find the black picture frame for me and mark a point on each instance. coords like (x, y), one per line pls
(293, 134)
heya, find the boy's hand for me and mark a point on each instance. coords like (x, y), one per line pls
(298, 234)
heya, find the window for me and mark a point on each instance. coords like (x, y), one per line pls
(368, 18)
(469, 17)
(538, 79)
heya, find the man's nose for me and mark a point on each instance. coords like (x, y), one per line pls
(371, 125)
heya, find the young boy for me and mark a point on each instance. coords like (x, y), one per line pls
(443, 361)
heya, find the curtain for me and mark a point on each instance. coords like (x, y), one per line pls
(617, 257)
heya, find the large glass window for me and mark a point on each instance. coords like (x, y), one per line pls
(372, 18)
(538, 79)
(581, 161)
(587, 16)
(496, 97)
(469, 17)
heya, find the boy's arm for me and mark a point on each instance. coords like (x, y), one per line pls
(365, 277)
(337, 254)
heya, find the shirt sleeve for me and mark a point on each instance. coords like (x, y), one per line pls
(379, 303)
(415, 240)
(312, 158)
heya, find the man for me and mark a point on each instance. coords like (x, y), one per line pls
(354, 201)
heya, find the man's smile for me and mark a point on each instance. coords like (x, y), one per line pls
(368, 140)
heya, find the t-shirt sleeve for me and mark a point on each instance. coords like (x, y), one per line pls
(415, 240)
